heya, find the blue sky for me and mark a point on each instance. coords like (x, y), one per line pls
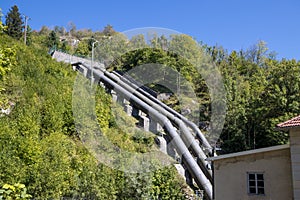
(233, 24)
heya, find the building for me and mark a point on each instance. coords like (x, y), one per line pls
(271, 173)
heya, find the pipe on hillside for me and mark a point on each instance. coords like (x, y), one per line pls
(188, 159)
(187, 135)
(192, 125)
(199, 176)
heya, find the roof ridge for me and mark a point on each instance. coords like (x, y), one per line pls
(294, 122)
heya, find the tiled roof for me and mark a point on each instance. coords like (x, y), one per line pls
(295, 122)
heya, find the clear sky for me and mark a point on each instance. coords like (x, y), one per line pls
(233, 24)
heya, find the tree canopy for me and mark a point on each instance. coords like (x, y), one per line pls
(14, 23)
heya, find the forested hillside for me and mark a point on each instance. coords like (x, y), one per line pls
(261, 92)
(40, 147)
(41, 153)
(261, 89)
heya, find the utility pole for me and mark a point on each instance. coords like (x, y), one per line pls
(25, 30)
(92, 61)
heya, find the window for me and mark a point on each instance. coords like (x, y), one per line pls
(256, 183)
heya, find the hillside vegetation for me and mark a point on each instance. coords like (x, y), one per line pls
(41, 148)
(39, 144)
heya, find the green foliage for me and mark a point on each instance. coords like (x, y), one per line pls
(108, 30)
(279, 101)
(166, 187)
(14, 23)
(160, 184)
(138, 42)
(52, 40)
(119, 128)
(261, 92)
(65, 47)
(7, 60)
(111, 47)
(15, 192)
(44, 30)
(82, 49)
(171, 61)
(7, 63)
(39, 145)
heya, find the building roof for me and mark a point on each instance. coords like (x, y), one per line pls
(244, 153)
(292, 123)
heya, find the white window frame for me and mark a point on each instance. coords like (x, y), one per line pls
(256, 183)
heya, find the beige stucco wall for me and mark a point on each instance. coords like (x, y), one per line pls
(231, 176)
(295, 159)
